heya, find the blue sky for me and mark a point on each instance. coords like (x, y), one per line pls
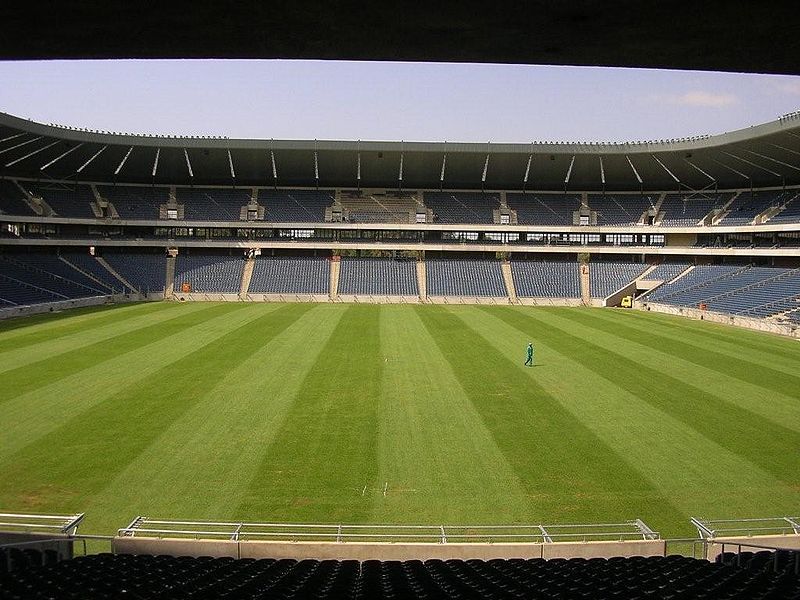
(391, 101)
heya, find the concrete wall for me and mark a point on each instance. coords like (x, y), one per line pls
(48, 307)
(385, 551)
(785, 329)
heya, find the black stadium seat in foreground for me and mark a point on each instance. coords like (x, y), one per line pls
(110, 576)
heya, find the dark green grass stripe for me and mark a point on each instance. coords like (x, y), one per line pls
(326, 450)
(762, 442)
(71, 324)
(737, 368)
(79, 458)
(707, 330)
(551, 451)
(32, 376)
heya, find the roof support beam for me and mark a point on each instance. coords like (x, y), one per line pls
(230, 165)
(785, 148)
(731, 169)
(95, 155)
(358, 168)
(274, 168)
(527, 172)
(400, 170)
(124, 160)
(60, 156)
(635, 172)
(775, 160)
(20, 145)
(188, 163)
(602, 173)
(696, 168)
(752, 164)
(444, 167)
(485, 170)
(569, 172)
(663, 166)
(316, 166)
(12, 137)
(155, 162)
(34, 153)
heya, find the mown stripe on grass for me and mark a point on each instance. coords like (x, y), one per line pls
(768, 360)
(439, 461)
(34, 375)
(200, 466)
(325, 452)
(69, 465)
(30, 330)
(28, 417)
(762, 442)
(35, 354)
(706, 331)
(778, 404)
(570, 472)
(696, 474)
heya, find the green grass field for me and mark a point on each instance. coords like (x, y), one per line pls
(303, 413)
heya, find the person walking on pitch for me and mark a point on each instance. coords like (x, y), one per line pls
(529, 361)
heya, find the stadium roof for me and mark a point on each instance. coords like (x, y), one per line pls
(763, 155)
(711, 35)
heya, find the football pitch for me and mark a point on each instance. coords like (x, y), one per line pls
(343, 413)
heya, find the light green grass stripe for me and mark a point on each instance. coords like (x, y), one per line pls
(571, 473)
(775, 400)
(199, 467)
(440, 462)
(48, 327)
(727, 336)
(65, 468)
(325, 452)
(30, 416)
(756, 439)
(696, 474)
(50, 355)
(776, 361)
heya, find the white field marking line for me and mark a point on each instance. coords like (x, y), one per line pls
(364, 491)
(385, 486)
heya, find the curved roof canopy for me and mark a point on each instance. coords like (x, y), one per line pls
(710, 35)
(761, 156)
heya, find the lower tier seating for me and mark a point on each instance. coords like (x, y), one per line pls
(109, 576)
(464, 277)
(534, 279)
(291, 275)
(378, 277)
(605, 278)
(209, 273)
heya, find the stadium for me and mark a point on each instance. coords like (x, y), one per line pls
(254, 368)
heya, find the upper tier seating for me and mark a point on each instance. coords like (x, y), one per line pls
(546, 279)
(291, 275)
(462, 207)
(135, 202)
(748, 205)
(620, 210)
(385, 208)
(74, 202)
(295, 206)
(464, 277)
(544, 209)
(218, 204)
(666, 271)
(378, 277)
(12, 200)
(682, 210)
(790, 212)
(635, 578)
(605, 278)
(146, 271)
(209, 273)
